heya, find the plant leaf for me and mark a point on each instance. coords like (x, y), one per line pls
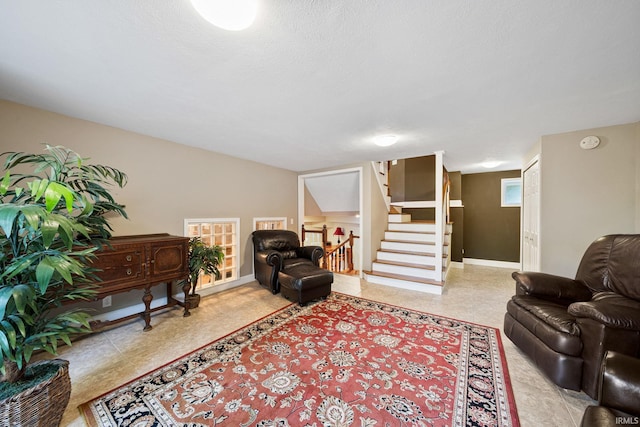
(33, 214)
(4, 345)
(8, 214)
(44, 273)
(4, 185)
(16, 267)
(65, 339)
(49, 231)
(54, 192)
(28, 351)
(9, 332)
(5, 296)
(17, 320)
(38, 187)
(22, 296)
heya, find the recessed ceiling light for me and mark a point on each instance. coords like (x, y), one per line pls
(385, 140)
(232, 15)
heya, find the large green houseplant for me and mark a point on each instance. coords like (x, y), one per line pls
(203, 259)
(54, 210)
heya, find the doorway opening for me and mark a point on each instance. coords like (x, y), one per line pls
(329, 213)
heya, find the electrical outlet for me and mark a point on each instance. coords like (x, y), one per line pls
(106, 301)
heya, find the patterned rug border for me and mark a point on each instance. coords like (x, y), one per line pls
(82, 407)
(85, 409)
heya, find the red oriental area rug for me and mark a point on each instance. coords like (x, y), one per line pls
(345, 361)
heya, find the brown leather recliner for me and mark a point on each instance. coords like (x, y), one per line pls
(618, 394)
(567, 325)
(278, 250)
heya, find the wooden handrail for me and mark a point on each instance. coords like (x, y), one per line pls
(446, 187)
(323, 232)
(331, 257)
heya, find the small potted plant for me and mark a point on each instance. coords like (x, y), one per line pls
(51, 222)
(203, 260)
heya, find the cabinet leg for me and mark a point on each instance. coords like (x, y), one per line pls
(147, 308)
(186, 288)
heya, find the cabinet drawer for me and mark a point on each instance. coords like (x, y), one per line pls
(123, 268)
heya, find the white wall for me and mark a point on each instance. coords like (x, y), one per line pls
(586, 193)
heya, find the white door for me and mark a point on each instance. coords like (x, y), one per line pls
(531, 217)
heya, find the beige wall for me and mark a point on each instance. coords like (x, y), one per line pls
(311, 207)
(586, 193)
(168, 182)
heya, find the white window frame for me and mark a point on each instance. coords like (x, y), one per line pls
(506, 183)
(270, 219)
(235, 244)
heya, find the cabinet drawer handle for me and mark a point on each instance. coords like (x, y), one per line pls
(129, 272)
(128, 257)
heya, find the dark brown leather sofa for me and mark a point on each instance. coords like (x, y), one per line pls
(278, 250)
(619, 393)
(567, 325)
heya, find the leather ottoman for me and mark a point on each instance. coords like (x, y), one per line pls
(304, 283)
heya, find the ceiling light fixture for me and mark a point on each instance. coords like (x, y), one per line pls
(385, 140)
(490, 164)
(232, 15)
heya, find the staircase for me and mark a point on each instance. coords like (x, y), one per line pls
(406, 258)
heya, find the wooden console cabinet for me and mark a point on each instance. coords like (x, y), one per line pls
(140, 262)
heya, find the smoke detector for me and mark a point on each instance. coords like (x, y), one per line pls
(589, 142)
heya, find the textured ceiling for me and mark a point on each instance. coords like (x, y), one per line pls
(311, 82)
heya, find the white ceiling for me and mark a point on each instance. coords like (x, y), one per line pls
(311, 82)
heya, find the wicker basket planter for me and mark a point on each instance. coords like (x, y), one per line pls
(42, 405)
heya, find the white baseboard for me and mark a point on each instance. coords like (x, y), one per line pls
(491, 263)
(456, 264)
(219, 288)
(128, 311)
(157, 302)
